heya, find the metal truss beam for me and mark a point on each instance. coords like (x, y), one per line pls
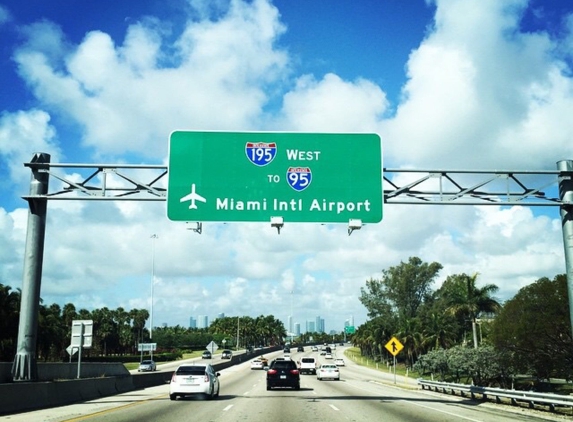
(126, 182)
(478, 187)
(132, 182)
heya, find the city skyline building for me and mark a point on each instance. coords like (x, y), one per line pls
(202, 321)
(319, 324)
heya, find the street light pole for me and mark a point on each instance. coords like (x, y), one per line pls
(238, 320)
(154, 237)
(291, 319)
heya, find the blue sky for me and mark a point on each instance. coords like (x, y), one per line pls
(476, 84)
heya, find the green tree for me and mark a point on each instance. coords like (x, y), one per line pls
(534, 330)
(105, 331)
(139, 318)
(468, 301)
(438, 331)
(9, 315)
(402, 289)
(371, 337)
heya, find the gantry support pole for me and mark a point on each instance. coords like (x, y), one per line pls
(565, 168)
(24, 367)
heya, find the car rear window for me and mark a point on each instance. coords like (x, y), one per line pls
(308, 360)
(284, 364)
(191, 370)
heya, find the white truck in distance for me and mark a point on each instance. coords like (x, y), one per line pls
(307, 365)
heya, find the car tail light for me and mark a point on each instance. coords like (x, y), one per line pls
(272, 371)
(294, 371)
(173, 377)
(206, 379)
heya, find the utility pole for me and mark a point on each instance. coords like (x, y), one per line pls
(238, 320)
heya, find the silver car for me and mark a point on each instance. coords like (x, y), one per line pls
(190, 380)
(147, 365)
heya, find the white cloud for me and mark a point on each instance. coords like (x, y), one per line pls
(128, 97)
(481, 94)
(22, 134)
(334, 105)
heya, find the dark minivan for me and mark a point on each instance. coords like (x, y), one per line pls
(283, 373)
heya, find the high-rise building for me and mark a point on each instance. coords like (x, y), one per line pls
(289, 324)
(310, 328)
(319, 324)
(221, 315)
(297, 329)
(192, 322)
(202, 321)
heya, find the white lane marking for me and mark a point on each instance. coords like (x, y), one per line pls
(442, 411)
(227, 408)
(427, 407)
(334, 407)
(245, 393)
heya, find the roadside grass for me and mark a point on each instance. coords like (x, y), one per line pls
(353, 353)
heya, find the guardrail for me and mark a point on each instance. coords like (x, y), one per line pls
(514, 397)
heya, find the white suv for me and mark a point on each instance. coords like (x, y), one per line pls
(307, 365)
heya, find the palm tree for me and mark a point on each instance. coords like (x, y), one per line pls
(438, 331)
(411, 338)
(470, 301)
(9, 315)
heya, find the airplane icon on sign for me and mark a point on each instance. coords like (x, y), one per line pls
(193, 196)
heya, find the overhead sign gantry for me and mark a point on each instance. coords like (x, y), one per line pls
(124, 182)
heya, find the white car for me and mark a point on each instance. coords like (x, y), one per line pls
(194, 380)
(339, 362)
(328, 356)
(328, 371)
(257, 364)
(147, 365)
(314, 348)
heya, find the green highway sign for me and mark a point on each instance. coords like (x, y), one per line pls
(253, 176)
(349, 329)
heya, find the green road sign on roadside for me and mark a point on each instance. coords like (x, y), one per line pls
(253, 176)
(349, 329)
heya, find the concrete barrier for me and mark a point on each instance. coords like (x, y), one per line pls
(151, 379)
(49, 371)
(26, 396)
